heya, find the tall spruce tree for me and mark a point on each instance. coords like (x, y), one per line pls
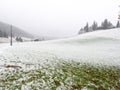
(118, 24)
(106, 24)
(94, 26)
(86, 28)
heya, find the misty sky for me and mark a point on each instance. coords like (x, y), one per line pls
(57, 17)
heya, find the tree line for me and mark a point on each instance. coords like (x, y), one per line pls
(3, 34)
(104, 25)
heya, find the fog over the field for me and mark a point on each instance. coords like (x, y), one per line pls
(57, 17)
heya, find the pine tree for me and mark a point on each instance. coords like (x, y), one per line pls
(94, 26)
(106, 25)
(118, 24)
(19, 39)
(81, 31)
(0, 33)
(86, 28)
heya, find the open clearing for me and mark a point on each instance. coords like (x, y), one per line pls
(89, 61)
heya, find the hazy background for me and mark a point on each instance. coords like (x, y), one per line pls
(58, 18)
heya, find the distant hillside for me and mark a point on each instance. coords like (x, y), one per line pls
(17, 32)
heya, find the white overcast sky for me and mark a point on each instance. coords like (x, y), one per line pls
(57, 17)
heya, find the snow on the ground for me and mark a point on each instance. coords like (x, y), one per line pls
(25, 39)
(99, 47)
(4, 40)
(7, 40)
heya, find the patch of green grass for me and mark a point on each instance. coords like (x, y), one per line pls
(65, 76)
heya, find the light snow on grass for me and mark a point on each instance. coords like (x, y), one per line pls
(40, 66)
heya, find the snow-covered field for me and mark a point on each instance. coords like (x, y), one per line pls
(7, 40)
(101, 47)
(63, 64)
(4, 40)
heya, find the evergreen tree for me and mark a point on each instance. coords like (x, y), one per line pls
(16, 39)
(81, 31)
(0, 33)
(19, 39)
(94, 26)
(118, 24)
(86, 28)
(106, 25)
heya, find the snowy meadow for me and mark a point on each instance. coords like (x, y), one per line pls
(89, 61)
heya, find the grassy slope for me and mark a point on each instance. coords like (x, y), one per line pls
(63, 75)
